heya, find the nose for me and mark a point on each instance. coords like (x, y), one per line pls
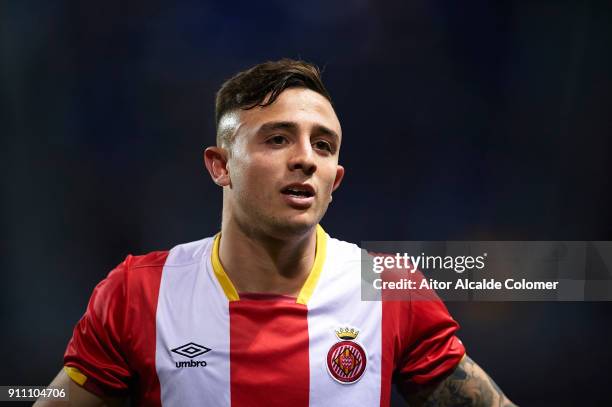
(302, 158)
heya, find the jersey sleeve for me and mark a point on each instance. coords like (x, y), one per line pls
(94, 358)
(432, 349)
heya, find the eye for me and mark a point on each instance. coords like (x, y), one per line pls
(323, 145)
(277, 140)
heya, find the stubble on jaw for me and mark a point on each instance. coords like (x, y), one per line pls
(262, 225)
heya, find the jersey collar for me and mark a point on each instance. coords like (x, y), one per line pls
(308, 287)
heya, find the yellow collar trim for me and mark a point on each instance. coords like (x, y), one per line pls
(317, 267)
(222, 277)
(309, 285)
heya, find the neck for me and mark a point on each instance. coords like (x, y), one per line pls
(259, 263)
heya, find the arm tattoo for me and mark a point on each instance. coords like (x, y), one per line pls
(467, 386)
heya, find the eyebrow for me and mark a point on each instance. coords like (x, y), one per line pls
(293, 127)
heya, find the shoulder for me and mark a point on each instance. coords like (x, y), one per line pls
(133, 269)
(149, 260)
(342, 251)
(138, 277)
(142, 266)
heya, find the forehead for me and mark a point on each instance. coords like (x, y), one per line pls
(302, 106)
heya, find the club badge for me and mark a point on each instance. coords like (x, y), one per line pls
(346, 359)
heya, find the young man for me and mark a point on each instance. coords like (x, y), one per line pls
(268, 312)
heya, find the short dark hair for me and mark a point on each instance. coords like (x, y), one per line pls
(250, 88)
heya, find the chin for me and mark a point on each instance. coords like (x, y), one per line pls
(288, 228)
(292, 229)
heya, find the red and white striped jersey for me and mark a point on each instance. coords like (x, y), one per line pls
(169, 328)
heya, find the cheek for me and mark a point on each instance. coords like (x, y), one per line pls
(251, 176)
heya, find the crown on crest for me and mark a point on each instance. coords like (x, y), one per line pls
(347, 333)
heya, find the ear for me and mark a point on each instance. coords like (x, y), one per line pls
(338, 180)
(215, 159)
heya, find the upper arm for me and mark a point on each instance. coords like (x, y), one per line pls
(99, 346)
(467, 385)
(77, 396)
(426, 348)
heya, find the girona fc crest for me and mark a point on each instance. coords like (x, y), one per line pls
(346, 360)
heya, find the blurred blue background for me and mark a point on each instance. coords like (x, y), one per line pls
(462, 121)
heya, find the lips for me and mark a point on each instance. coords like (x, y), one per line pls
(304, 190)
(299, 196)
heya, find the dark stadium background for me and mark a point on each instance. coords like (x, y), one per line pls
(462, 121)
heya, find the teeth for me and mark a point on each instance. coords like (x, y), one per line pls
(298, 192)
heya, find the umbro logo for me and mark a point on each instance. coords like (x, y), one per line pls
(191, 350)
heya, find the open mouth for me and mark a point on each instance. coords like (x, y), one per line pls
(293, 191)
(299, 196)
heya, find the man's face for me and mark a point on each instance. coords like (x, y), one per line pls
(283, 164)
